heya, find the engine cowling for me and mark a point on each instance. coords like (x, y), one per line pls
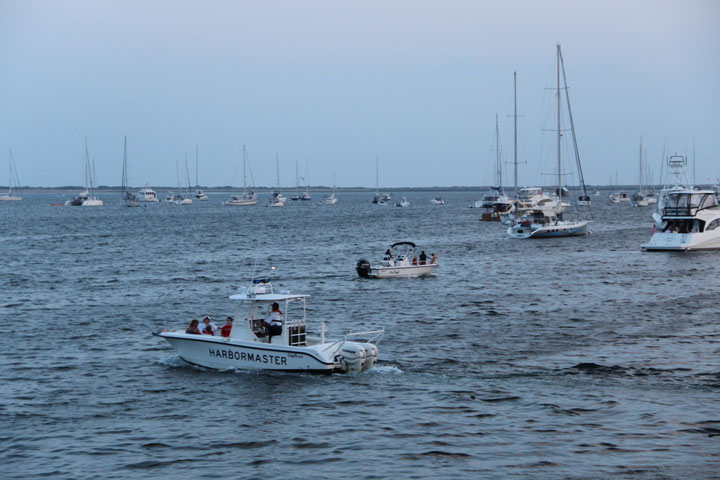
(363, 268)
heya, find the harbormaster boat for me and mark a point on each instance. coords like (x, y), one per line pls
(293, 350)
(404, 262)
(690, 221)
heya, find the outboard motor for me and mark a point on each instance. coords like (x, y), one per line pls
(363, 268)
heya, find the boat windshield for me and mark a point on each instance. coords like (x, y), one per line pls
(688, 204)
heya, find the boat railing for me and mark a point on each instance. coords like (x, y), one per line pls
(371, 336)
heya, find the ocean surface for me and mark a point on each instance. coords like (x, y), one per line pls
(555, 358)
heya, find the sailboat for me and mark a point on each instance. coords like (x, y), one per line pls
(86, 198)
(12, 180)
(199, 194)
(496, 203)
(526, 198)
(544, 223)
(129, 198)
(330, 199)
(638, 198)
(379, 199)
(277, 200)
(306, 194)
(248, 197)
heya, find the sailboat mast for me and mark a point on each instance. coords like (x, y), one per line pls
(244, 175)
(307, 174)
(497, 145)
(297, 180)
(124, 174)
(277, 170)
(10, 180)
(559, 136)
(87, 166)
(516, 141)
(640, 178)
(377, 175)
(197, 181)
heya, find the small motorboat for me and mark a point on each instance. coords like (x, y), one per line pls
(293, 350)
(400, 260)
(201, 196)
(437, 201)
(403, 203)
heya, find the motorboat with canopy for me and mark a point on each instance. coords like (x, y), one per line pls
(294, 350)
(401, 260)
(690, 221)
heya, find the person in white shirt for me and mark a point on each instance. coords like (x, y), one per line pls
(273, 322)
(208, 326)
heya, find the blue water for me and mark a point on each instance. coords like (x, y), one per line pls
(556, 358)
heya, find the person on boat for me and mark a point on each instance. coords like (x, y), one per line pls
(193, 328)
(388, 255)
(208, 323)
(414, 260)
(274, 322)
(423, 258)
(207, 330)
(433, 258)
(225, 330)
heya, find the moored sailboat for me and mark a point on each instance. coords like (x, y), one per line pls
(12, 181)
(247, 198)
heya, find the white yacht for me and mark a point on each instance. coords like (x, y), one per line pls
(541, 223)
(147, 194)
(639, 200)
(250, 348)
(401, 260)
(12, 180)
(248, 197)
(437, 201)
(690, 221)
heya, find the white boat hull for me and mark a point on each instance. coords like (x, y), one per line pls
(241, 203)
(92, 202)
(228, 353)
(402, 271)
(562, 229)
(669, 241)
(9, 198)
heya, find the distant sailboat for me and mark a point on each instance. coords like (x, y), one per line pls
(379, 199)
(86, 198)
(330, 199)
(199, 194)
(248, 197)
(12, 180)
(129, 198)
(277, 200)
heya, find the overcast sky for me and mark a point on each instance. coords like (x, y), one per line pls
(417, 83)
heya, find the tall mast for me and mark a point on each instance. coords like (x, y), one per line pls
(277, 170)
(10, 173)
(498, 173)
(87, 166)
(559, 137)
(244, 175)
(377, 175)
(694, 179)
(124, 174)
(640, 178)
(297, 180)
(197, 181)
(307, 174)
(516, 143)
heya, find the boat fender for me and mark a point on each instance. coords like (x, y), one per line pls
(363, 268)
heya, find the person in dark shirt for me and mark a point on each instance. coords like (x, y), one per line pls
(193, 328)
(423, 258)
(225, 330)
